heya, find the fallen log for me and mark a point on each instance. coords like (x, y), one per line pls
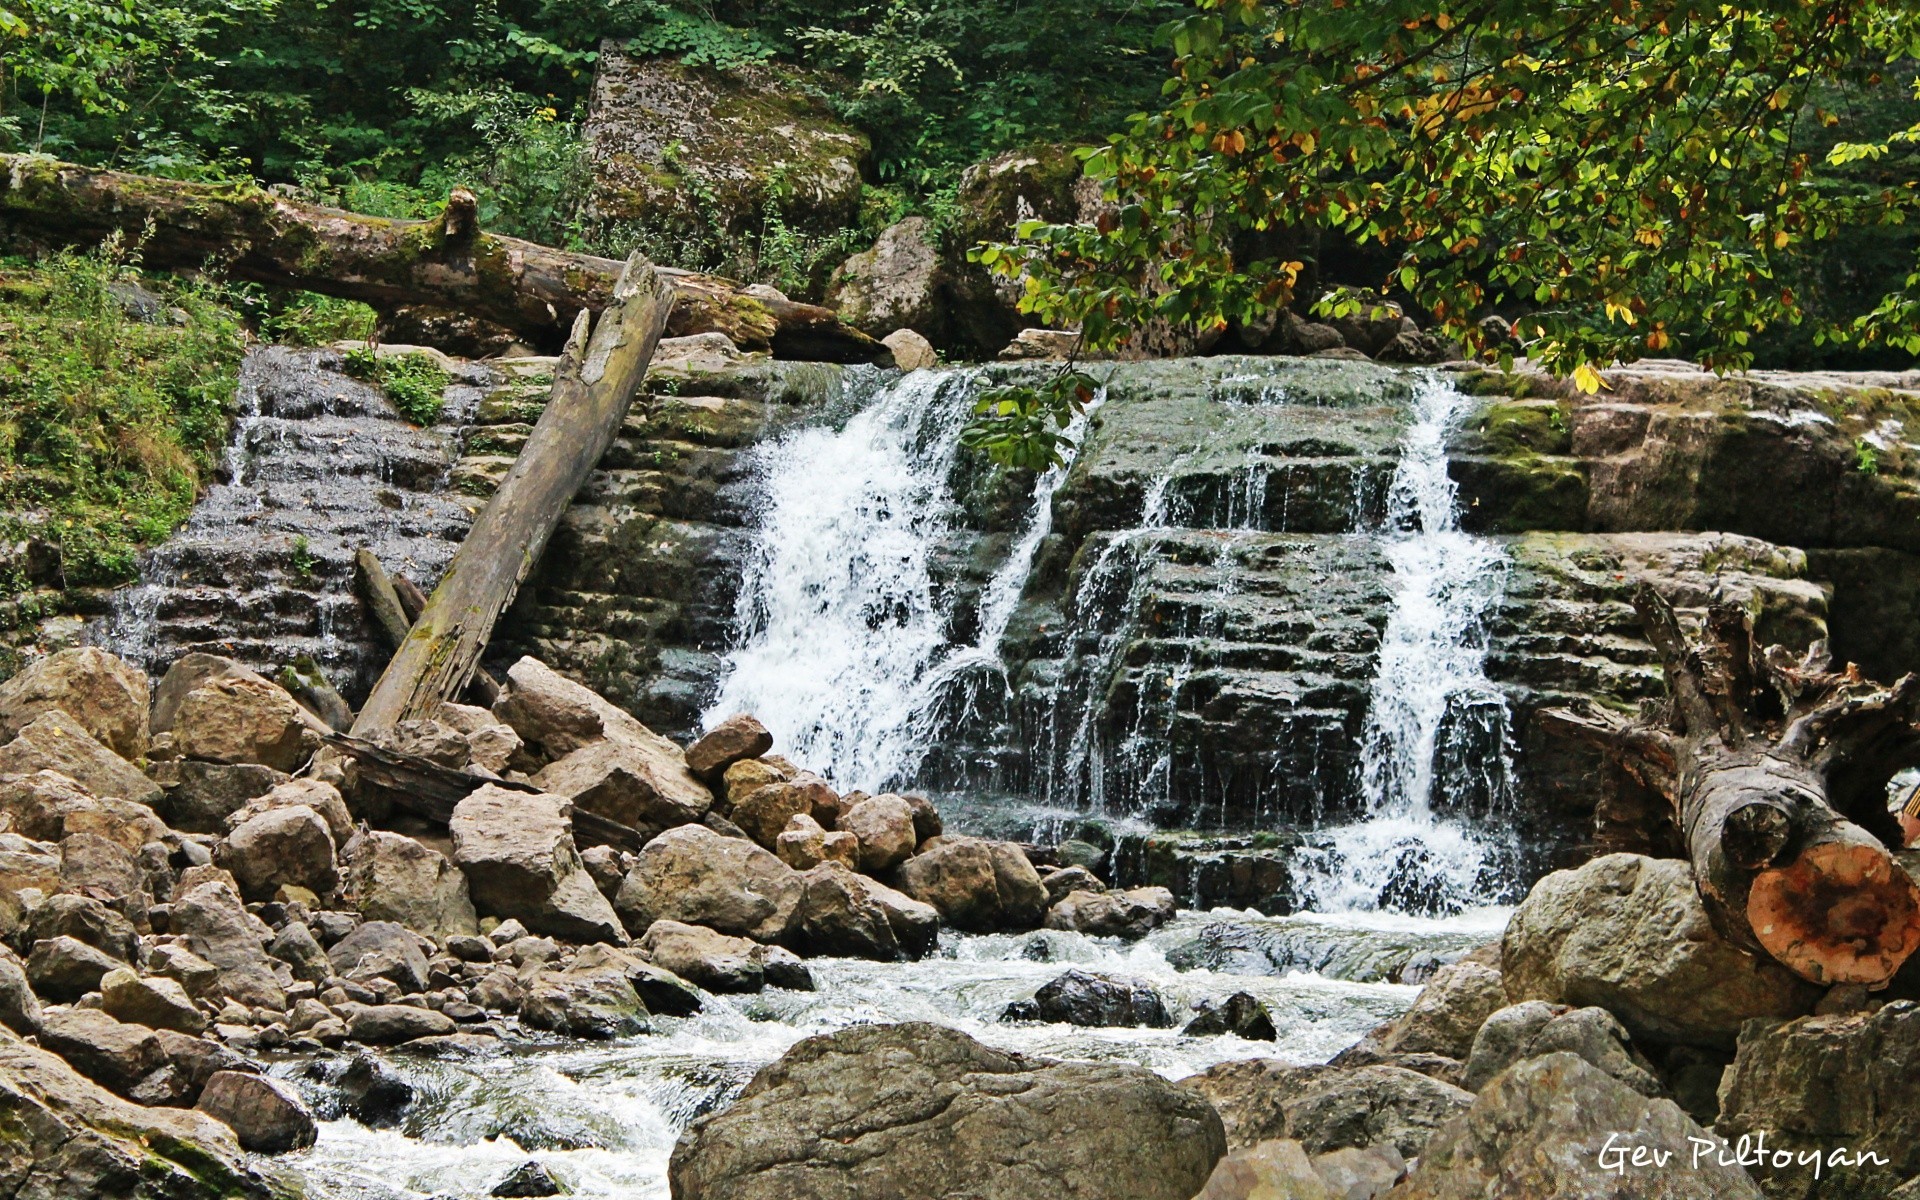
(431, 791)
(396, 602)
(1775, 770)
(593, 387)
(258, 235)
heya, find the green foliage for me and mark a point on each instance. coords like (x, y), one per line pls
(1020, 426)
(697, 39)
(304, 560)
(108, 424)
(414, 383)
(1866, 459)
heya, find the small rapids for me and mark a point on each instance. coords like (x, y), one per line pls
(603, 1117)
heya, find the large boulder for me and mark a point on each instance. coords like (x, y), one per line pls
(54, 741)
(106, 696)
(381, 949)
(87, 920)
(266, 1115)
(747, 141)
(244, 719)
(114, 1054)
(713, 960)
(202, 796)
(71, 1139)
(1629, 934)
(48, 806)
(738, 737)
(1447, 1013)
(844, 913)
(900, 282)
(694, 875)
(1823, 1085)
(1559, 1126)
(977, 885)
(1082, 998)
(217, 928)
(591, 999)
(316, 794)
(517, 851)
(154, 1001)
(1131, 914)
(188, 672)
(1534, 1027)
(281, 847)
(391, 877)
(765, 813)
(63, 969)
(879, 1112)
(1326, 1107)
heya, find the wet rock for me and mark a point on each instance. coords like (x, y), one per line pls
(79, 1142)
(886, 1111)
(733, 739)
(1081, 998)
(694, 875)
(527, 1179)
(373, 1093)
(1823, 1084)
(1630, 935)
(587, 1000)
(782, 968)
(216, 928)
(392, 1024)
(1067, 880)
(200, 796)
(392, 877)
(715, 961)
(844, 913)
(54, 741)
(266, 1115)
(1240, 1014)
(884, 825)
(112, 1053)
(381, 949)
(1327, 1108)
(281, 847)
(1538, 1129)
(1131, 914)
(107, 697)
(516, 850)
(156, 1001)
(1534, 1028)
(976, 885)
(86, 920)
(63, 969)
(244, 719)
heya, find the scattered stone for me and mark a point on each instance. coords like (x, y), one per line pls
(884, 825)
(156, 1001)
(266, 1115)
(517, 851)
(218, 930)
(696, 876)
(713, 960)
(201, 796)
(643, 784)
(19, 1007)
(749, 775)
(289, 846)
(725, 744)
(782, 968)
(527, 1179)
(1630, 934)
(764, 813)
(54, 741)
(1131, 914)
(191, 1062)
(977, 885)
(392, 877)
(846, 914)
(200, 977)
(1241, 1014)
(880, 1112)
(1447, 1013)
(911, 352)
(590, 999)
(1328, 1107)
(608, 867)
(105, 695)
(244, 719)
(87, 920)
(1068, 880)
(1081, 998)
(391, 1024)
(381, 950)
(63, 969)
(1538, 1128)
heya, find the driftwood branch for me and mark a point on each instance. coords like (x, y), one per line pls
(594, 385)
(257, 235)
(1776, 772)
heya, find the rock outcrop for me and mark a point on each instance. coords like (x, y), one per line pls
(904, 1110)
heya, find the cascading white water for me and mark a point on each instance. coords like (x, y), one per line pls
(1437, 728)
(844, 651)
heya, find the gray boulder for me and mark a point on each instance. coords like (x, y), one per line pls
(155, 1001)
(63, 969)
(381, 949)
(392, 877)
(281, 847)
(1546, 1127)
(106, 696)
(266, 1115)
(1240, 1014)
(585, 1000)
(713, 960)
(1082, 998)
(694, 875)
(86, 920)
(1131, 914)
(844, 913)
(217, 928)
(1327, 1108)
(976, 885)
(112, 1053)
(880, 1112)
(392, 1024)
(201, 796)
(516, 850)
(1533, 1028)
(296, 946)
(1629, 934)
(1446, 1014)
(19, 1007)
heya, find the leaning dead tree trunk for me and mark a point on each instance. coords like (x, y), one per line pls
(593, 386)
(1776, 769)
(449, 262)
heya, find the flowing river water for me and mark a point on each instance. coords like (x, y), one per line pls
(843, 650)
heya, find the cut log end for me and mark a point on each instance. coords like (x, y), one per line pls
(1840, 912)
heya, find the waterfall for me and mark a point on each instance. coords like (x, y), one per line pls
(842, 644)
(1437, 729)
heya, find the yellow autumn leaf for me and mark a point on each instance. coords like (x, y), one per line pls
(1586, 379)
(1780, 239)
